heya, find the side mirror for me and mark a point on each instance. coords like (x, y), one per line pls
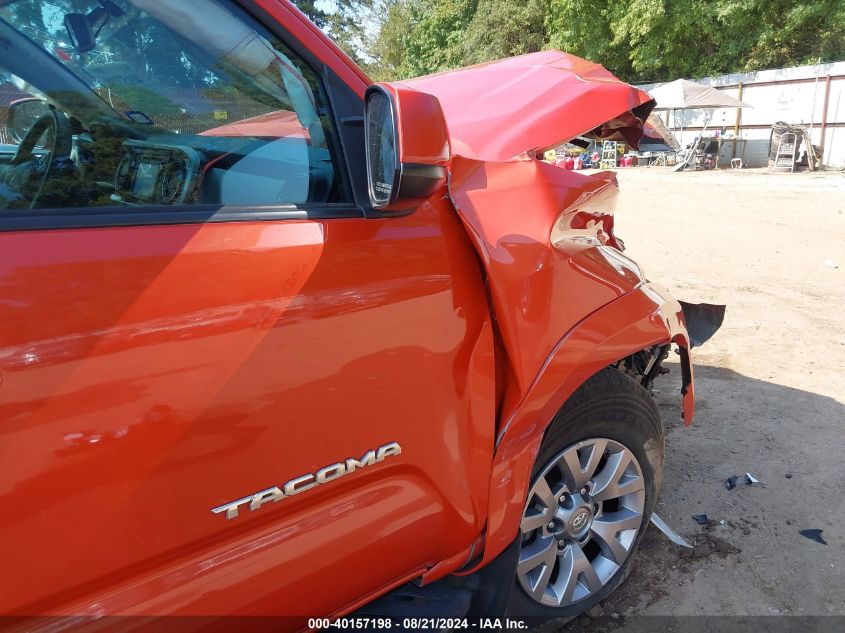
(23, 114)
(407, 146)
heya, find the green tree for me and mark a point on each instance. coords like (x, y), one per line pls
(428, 36)
(502, 28)
(788, 32)
(584, 29)
(345, 23)
(644, 40)
(638, 40)
(387, 49)
(436, 32)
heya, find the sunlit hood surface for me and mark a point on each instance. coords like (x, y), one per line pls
(500, 110)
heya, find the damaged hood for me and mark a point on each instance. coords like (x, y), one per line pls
(544, 234)
(501, 110)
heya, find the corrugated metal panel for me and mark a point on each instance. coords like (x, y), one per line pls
(782, 94)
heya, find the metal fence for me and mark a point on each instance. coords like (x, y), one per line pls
(811, 96)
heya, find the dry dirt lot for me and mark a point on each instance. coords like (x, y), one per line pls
(770, 392)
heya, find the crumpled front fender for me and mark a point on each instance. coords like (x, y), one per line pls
(540, 289)
(566, 301)
(647, 316)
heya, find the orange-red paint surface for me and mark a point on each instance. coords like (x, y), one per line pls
(422, 128)
(499, 110)
(149, 374)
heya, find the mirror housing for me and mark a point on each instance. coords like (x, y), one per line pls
(407, 145)
(79, 32)
(23, 113)
(83, 29)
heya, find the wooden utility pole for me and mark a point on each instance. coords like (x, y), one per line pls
(824, 113)
(738, 120)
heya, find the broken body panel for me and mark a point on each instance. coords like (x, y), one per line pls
(189, 415)
(567, 302)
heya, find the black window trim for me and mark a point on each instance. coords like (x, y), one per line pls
(152, 215)
(149, 215)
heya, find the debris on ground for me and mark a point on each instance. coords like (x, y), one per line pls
(745, 389)
(715, 538)
(814, 535)
(750, 480)
(701, 519)
(831, 263)
(730, 482)
(676, 538)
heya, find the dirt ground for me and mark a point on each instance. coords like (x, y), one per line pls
(770, 390)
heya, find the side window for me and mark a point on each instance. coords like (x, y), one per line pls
(157, 102)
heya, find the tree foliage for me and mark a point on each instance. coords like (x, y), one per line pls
(639, 40)
(343, 20)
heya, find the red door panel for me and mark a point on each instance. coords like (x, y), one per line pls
(150, 374)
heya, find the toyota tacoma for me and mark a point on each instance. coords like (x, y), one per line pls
(279, 341)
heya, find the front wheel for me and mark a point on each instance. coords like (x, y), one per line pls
(593, 489)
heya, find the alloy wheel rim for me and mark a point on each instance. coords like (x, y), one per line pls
(581, 519)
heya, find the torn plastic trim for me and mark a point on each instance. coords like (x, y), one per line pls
(703, 320)
(676, 538)
(673, 317)
(687, 389)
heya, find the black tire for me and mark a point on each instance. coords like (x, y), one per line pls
(609, 405)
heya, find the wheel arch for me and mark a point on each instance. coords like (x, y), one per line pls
(635, 321)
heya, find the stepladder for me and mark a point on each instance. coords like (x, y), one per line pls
(608, 154)
(786, 154)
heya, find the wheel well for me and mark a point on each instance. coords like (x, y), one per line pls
(645, 365)
(642, 367)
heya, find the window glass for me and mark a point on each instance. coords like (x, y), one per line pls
(156, 102)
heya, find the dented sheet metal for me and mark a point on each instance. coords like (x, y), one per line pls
(545, 234)
(503, 109)
(566, 301)
(541, 290)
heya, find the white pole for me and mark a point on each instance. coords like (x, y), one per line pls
(815, 92)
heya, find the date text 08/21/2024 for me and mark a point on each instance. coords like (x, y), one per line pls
(433, 624)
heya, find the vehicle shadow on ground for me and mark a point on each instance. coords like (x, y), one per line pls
(787, 438)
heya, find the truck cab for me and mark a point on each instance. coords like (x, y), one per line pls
(276, 340)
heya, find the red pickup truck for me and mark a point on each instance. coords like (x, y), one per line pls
(277, 341)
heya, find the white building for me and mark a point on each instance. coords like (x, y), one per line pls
(806, 95)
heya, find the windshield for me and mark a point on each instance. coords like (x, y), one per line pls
(140, 103)
(150, 73)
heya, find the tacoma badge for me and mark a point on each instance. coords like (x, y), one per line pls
(310, 480)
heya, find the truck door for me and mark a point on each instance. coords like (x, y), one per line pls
(196, 312)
